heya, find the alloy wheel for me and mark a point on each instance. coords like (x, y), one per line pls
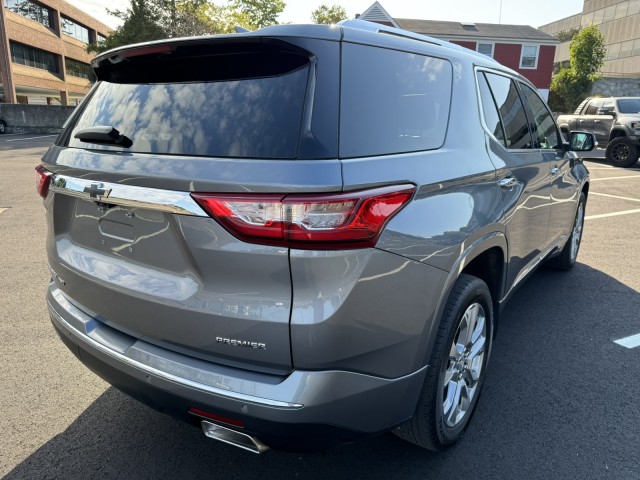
(464, 369)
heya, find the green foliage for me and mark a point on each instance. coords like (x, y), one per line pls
(571, 85)
(568, 90)
(587, 52)
(328, 15)
(259, 13)
(147, 20)
(566, 35)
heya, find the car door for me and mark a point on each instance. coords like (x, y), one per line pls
(603, 122)
(564, 188)
(522, 173)
(585, 121)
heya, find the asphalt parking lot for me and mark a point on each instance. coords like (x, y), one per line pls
(561, 399)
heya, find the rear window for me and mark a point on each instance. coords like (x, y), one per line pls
(256, 117)
(392, 102)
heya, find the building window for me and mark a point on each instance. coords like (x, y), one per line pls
(634, 7)
(32, 10)
(486, 49)
(71, 28)
(101, 38)
(34, 57)
(529, 57)
(79, 69)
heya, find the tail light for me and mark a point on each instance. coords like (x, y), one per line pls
(43, 179)
(333, 221)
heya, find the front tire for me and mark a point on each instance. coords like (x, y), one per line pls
(622, 152)
(3, 127)
(456, 369)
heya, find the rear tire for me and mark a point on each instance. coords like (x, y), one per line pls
(622, 152)
(3, 127)
(456, 369)
(567, 258)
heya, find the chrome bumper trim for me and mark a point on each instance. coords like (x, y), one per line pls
(85, 319)
(127, 195)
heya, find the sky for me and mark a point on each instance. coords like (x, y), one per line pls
(516, 12)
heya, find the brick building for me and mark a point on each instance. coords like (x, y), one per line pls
(522, 48)
(43, 57)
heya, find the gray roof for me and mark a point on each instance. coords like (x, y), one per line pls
(436, 28)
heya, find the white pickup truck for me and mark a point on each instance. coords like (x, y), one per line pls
(615, 121)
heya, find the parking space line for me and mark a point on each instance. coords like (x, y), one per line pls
(28, 138)
(614, 214)
(593, 179)
(632, 341)
(615, 196)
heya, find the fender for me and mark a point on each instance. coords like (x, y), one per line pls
(481, 245)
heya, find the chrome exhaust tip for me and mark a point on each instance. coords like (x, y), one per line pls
(237, 439)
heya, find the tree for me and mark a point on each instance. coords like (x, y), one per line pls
(328, 15)
(587, 52)
(572, 85)
(259, 13)
(140, 24)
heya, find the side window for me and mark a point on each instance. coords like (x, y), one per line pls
(392, 102)
(593, 107)
(544, 128)
(511, 111)
(489, 109)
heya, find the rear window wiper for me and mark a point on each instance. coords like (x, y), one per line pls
(104, 135)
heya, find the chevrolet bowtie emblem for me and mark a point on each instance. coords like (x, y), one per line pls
(96, 191)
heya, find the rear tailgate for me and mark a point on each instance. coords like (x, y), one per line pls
(127, 242)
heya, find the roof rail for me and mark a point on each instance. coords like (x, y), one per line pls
(379, 28)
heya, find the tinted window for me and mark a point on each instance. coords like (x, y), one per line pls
(31, 10)
(392, 102)
(34, 57)
(71, 28)
(489, 109)
(629, 105)
(511, 111)
(258, 117)
(544, 128)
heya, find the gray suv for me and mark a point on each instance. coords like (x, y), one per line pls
(303, 236)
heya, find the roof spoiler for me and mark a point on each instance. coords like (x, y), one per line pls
(379, 28)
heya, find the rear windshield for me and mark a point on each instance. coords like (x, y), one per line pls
(392, 102)
(252, 117)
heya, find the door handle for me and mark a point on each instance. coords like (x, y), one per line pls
(507, 182)
(554, 170)
(596, 121)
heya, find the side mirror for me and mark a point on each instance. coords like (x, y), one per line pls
(607, 111)
(582, 142)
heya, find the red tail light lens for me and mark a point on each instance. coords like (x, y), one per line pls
(43, 179)
(334, 221)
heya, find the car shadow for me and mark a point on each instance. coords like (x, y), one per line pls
(551, 408)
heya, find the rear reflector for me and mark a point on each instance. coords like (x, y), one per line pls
(217, 418)
(43, 179)
(333, 221)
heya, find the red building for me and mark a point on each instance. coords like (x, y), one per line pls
(522, 48)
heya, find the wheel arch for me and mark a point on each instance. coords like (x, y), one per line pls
(617, 132)
(486, 259)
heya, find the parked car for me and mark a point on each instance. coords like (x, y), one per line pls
(615, 122)
(303, 236)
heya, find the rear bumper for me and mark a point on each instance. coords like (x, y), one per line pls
(305, 410)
